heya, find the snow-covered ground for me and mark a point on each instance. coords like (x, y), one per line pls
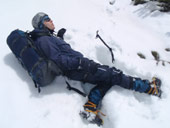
(128, 30)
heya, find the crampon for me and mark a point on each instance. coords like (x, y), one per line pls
(91, 114)
(155, 87)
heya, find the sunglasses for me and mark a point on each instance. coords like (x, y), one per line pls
(47, 19)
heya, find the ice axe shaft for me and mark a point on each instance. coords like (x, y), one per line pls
(110, 49)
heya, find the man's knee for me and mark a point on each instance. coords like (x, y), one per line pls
(88, 65)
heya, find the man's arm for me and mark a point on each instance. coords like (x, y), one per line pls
(51, 51)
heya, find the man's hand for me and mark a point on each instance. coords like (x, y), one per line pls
(61, 33)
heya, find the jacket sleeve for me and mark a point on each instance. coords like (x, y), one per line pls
(51, 51)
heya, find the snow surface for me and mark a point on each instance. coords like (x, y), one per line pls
(128, 30)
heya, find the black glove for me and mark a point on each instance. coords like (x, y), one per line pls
(61, 33)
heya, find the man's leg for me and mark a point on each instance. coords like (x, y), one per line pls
(104, 77)
(139, 85)
(112, 76)
(99, 75)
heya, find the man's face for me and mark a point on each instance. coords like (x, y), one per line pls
(49, 24)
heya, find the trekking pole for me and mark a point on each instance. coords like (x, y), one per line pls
(110, 49)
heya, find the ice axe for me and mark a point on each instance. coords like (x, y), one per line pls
(110, 49)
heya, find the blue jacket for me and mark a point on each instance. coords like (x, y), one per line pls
(57, 50)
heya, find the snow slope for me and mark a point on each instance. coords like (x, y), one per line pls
(127, 29)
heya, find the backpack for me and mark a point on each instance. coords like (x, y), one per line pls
(42, 70)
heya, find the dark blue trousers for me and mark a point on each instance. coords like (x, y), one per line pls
(102, 76)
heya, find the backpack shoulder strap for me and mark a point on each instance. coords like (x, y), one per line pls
(75, 89)
(35, 35)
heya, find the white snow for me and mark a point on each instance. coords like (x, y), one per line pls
(126, 28)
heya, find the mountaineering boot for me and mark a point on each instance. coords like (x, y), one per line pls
(91, 114)
(155, 87)
(152, 88)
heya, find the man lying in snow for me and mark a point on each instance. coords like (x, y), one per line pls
(76, 67)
